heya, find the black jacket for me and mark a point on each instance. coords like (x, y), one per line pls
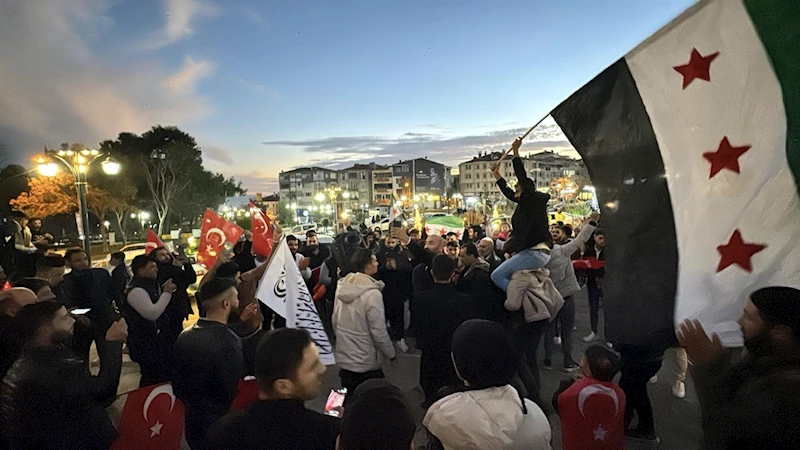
(207, 364)
(274, 425)
(319, 258)
(529, 222)
(488, 299)
(50, 401)
(494, 260)
(119, 281)
(9, 343)
(421, 278)
(752, 404)
(180, 306)
(397, 280)
(90, 289)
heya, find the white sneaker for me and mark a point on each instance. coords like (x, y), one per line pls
(679, 389)
(557, 340)
(590, 337)
(401, 344)
(653, 380)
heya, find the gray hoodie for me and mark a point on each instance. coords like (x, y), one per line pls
(560, 265)
(362, 342)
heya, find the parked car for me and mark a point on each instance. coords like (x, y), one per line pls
(133, 250)
(302, 228)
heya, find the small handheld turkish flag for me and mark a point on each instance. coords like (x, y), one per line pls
(153, 242)
(262, 231)
(152, 418)
(217, 236)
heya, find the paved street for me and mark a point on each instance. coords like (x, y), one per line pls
(677, 421)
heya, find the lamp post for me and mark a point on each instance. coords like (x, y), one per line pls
(78, 163)
(332, 192)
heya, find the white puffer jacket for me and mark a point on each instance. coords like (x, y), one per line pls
(362, 342)
(488, 419)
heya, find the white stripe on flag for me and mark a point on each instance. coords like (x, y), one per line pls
(743, 102)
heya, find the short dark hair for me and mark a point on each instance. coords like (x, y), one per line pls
(413, 231)
(33, 316)
(360, 258)
(567, 229)
(279, 356)
(139, 262)
(16, 214)
(291, 238)
(598, 232)
(470, 249)
(228, 269)
(51, 261)
(214, 288)
(452, 233)
(34, 284)
(118, 255)
(779, 305)
(157, 249)
(451, 244)
(442, 267)
(377, 416)
(477, 228)
(35, 218)
(310, 233)
(603, 363)
(71, 252)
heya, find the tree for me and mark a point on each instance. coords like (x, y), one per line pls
(13, 182)
(51, 196)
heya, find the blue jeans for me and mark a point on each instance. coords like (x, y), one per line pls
(529, 259)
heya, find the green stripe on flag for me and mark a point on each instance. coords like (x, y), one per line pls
(778, 25)
(448, 221)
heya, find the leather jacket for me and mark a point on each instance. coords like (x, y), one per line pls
(51, 401)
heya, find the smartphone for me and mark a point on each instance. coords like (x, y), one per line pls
(335, 399)
(80, 311)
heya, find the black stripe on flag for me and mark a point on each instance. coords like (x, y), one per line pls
(608, 125)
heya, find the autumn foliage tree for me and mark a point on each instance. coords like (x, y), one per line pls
(50, 196)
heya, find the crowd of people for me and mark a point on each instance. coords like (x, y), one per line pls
(480, 305)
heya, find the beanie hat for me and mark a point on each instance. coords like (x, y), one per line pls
(779, 305)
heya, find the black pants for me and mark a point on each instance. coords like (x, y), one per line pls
(351, 380)
(527, 337)
(566, 319)
(637, 369)
(393, 309)
(271, 318)
(595, 295)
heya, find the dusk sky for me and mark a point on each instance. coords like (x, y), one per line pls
(266, 86)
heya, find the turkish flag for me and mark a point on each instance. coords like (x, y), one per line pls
(153, 242)
(152, 418)
(592, 415)
(588, 263)
(217, 236)
(246, 393)
(262, 230)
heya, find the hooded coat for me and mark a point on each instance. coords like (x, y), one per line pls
(359, 322)
(490, 418)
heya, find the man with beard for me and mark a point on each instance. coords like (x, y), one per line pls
(50, 400)
(475, 281)
(755, 402)
(396, 274)
(43, 241)
(145, 306)
(85, 287)
(312, 250)
(180, 271)
(421, 277)
(51, 268)
(486, 251)
(207, 360)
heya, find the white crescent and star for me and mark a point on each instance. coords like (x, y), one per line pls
(598, 389)
(158, 390)
(218, 232)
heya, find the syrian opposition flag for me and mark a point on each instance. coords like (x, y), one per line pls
(152, 418)
(692, 142)
(262, 230)
(444, 224)
(283, 289)
(216, 236)
(153, 242)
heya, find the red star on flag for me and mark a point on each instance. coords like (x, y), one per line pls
(738, 252)
(442, 232)
(697, 67)
(428, 230)
(726, 157)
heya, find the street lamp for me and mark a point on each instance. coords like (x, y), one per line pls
(78, 163)
(333, 193)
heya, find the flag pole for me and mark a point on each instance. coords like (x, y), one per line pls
(522, 137)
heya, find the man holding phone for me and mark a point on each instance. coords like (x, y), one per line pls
(176, 267)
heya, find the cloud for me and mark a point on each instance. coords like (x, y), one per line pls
(218, 154)
(336, 152)
(256, 182)
(180, 16)
(259, 88)
(55, 88)
(255, 17)
(185, 80)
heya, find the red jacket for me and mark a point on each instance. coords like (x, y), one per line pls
(592, 415)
